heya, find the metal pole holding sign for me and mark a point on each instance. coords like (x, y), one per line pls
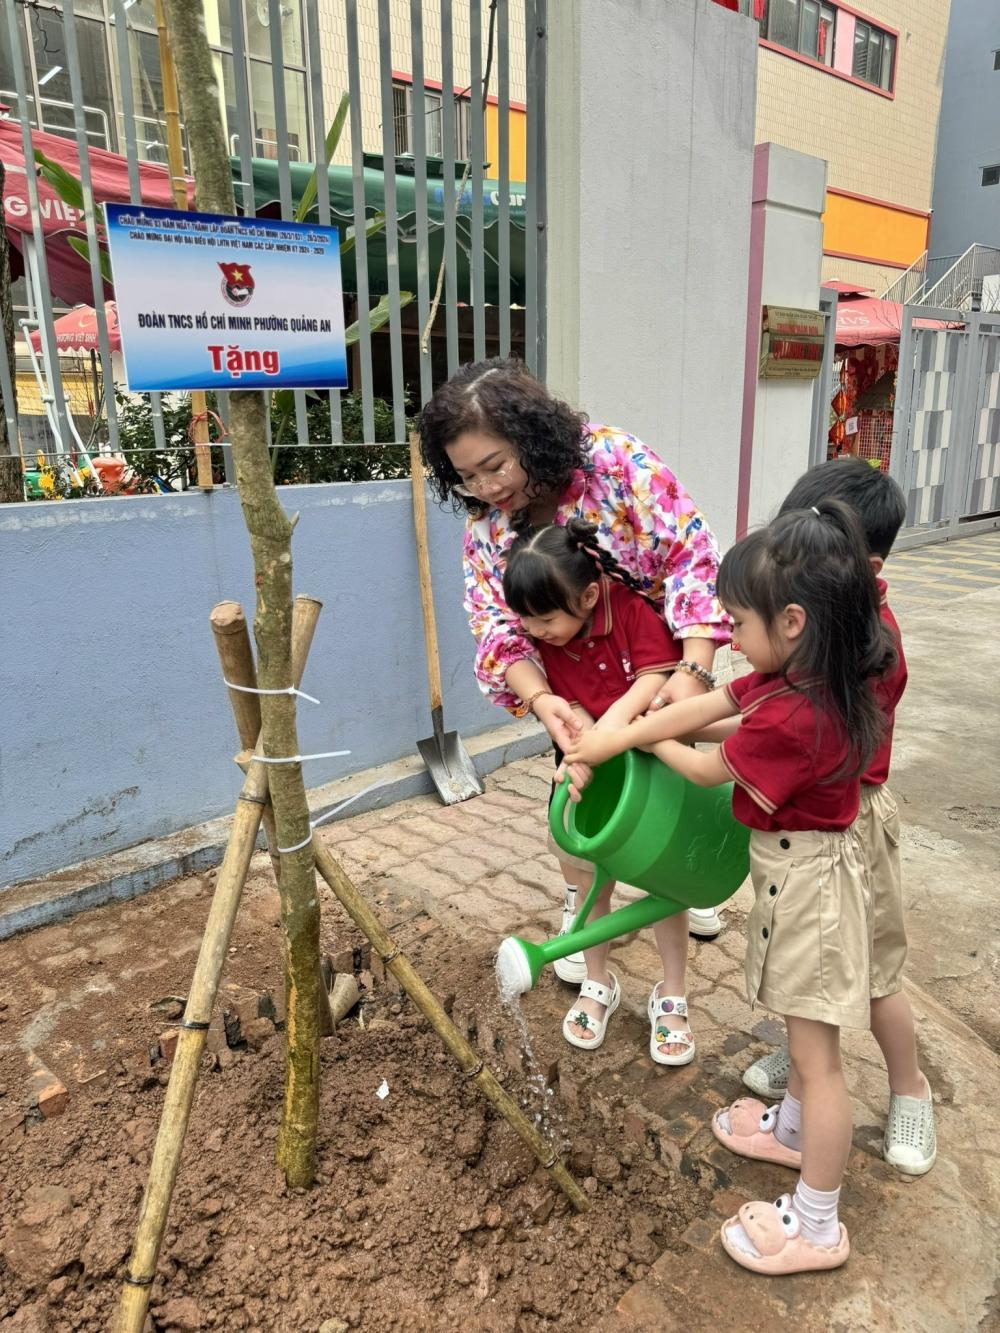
(175, 160)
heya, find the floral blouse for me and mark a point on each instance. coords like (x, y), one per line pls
(646, 520)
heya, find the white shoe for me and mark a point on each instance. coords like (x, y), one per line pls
(573, 967)
(910, 1144)
(768, 1076)
(704, 922)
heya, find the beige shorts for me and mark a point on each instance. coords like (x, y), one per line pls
(878, 832)
(809, 934)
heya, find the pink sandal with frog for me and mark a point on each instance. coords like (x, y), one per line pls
(750, 1133)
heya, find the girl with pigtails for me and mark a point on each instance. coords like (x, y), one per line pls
(606, 651)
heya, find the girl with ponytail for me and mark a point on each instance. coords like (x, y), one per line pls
(799, 730)
(606, 651)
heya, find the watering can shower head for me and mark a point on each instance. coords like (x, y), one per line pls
(519, 965)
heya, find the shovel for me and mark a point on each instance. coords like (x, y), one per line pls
(447, 760)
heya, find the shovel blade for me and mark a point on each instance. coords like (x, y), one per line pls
(451, 767)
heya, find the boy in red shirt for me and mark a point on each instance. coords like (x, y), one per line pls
(909, 1143)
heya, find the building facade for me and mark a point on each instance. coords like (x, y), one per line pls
(967, 174)
(861, 88)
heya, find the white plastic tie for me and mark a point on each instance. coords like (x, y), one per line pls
(315, 823)
(252, 689)
(296, 758)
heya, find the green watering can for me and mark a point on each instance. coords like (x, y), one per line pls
(643, 824)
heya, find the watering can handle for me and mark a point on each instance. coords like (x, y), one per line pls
(567, 840)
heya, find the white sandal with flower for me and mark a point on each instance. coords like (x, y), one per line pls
(610, 997)
(660, 1034)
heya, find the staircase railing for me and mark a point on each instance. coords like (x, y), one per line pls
(960, 287)
(908, 286)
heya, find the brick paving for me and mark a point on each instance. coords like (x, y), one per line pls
(949, 571)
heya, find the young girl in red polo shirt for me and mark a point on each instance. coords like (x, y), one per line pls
(606, 650)
(803, 727)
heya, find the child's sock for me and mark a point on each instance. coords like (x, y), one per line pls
(786, 1131)
(817, 1213)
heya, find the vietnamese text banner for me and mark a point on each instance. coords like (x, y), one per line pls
(213, 302)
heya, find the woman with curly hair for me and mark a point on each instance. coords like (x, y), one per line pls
(509, 455)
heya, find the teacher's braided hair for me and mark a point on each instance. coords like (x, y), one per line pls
(549, 568)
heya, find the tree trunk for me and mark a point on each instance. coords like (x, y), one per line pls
(270, 540)
(11, 477)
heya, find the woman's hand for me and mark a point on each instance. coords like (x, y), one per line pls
(681, 685)
(558, 719)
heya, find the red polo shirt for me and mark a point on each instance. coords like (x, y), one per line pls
(889, 690)
(782, 758)
(627, 639)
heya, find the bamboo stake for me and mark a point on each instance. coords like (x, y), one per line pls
(198, 1012)
(175, 165)
(471, 1063)
(232, 641)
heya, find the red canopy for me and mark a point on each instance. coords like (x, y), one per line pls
(69, 275)
(865, 320)
(76, 332)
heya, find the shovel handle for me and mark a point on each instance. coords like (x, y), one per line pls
(424, 572)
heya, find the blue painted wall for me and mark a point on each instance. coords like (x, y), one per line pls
(115, 725)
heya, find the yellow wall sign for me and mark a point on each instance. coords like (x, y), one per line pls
(791, 343)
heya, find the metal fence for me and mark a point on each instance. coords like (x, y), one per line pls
(474, 250)
(946, 425)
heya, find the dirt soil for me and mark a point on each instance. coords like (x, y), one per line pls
(428, 1212)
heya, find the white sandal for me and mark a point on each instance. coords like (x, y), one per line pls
(592, 990)
(661, 1035)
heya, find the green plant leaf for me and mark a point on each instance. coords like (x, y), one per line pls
(81, 247)
(66, 185)
(377, 317)
(332, 140)
(374, 224)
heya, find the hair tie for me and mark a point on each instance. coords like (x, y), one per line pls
(815, 511)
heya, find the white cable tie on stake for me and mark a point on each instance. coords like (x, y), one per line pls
(315, 823)
(296, 758)
(251, 689)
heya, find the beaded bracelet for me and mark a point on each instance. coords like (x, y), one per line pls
(699, 672)
(529, 703)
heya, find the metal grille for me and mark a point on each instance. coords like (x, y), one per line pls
(475, 228)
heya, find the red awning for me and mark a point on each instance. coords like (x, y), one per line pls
(869, 321)
(69, 275)
(76, 332)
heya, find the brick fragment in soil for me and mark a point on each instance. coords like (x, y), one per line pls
(425, 1203)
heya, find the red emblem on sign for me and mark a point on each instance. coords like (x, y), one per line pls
(237, 283)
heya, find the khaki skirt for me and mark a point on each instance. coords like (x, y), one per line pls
(878, 832)
(809, 935)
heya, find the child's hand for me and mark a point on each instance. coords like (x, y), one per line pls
(579, 777)
(598, 746)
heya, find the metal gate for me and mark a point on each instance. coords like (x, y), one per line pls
(946, 425)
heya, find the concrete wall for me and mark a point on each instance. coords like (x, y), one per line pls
(116, 727)
(788, 193)
(966, 211)
(649, 131)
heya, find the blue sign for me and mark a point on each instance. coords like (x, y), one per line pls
(207, 301)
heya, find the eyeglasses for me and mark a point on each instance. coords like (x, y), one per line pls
(493, 481)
